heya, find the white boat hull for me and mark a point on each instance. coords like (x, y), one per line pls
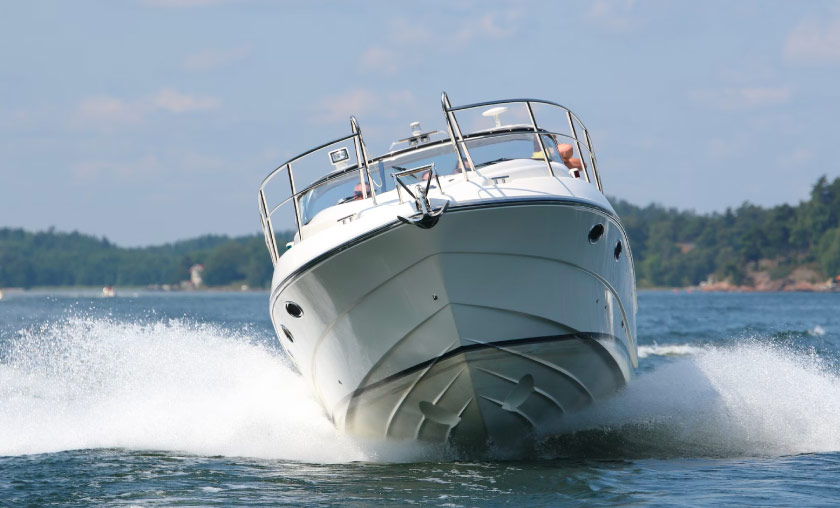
(494, 323)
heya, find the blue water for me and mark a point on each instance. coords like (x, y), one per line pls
(187, 399)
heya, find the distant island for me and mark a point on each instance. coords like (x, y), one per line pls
(782, 248)
(56, 259)
(748, 248)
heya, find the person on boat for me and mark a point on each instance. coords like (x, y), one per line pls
(565, 151)
(573, 163)
(357, 191)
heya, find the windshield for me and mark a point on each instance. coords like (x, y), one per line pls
(336, 191)
(484, 151)
(509, 146)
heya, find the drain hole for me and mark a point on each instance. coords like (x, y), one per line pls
(287, 333)
(617, 252)
(294, 309)
(596, 232)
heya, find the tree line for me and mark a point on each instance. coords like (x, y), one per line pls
(51, 258)
(682, 248)
(670, 248)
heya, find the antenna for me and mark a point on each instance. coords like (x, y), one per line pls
(495, 113)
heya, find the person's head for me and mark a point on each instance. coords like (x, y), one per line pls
(357, 191)
(566, 151)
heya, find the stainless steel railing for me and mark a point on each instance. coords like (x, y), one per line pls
(362, 166)
(459, 140)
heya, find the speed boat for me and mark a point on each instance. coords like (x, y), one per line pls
(469, 286)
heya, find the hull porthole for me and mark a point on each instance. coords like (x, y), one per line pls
(287, 333)
(596, 232)
(617, 251)
(294, 309)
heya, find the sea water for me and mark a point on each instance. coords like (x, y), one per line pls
(188, 399)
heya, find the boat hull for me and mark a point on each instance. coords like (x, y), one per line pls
(490, 325)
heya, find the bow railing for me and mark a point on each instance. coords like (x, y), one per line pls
(474, 144)
(285, 176)
(576, 135)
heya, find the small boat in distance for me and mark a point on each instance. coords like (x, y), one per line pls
(108, 292)
(470, 286)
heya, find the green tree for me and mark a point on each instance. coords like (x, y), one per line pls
(828, 252)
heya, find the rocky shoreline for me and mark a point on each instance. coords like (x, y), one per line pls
(800, 279)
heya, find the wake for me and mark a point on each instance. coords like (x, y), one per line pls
(87, 383)
(97, 383)
(746, 399)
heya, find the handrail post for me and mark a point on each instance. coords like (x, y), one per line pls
(577, 143)
(295, 200)
(268, 230)
(361, 158)
(593, 160)
(539, 138)
(358, 149)
(367, 167)
(455, 129)
(444, 102)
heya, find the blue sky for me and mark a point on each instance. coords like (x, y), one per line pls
(147, 121)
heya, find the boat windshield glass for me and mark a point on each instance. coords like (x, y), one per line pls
(485, 151)
(336, 191)
(501, 147)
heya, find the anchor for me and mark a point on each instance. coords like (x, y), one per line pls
(426, 217)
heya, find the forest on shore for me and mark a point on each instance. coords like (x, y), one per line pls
(746, 246)
(54, 259)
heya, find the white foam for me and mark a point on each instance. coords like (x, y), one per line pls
(94, 383)
(750, 398)
(669, 350)
(97, 383)
(817, 331)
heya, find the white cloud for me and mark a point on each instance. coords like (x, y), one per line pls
(410, 33)
(755, 97)
(183, 4)
(379, 59)
(362, 102)
(492, 25)
(175, 102)
(724, 148)
(408, 40)
(814, 42)
(19, 120)
(189, 163)
(122, 170)
(204, 164)
(109, 111)
(742, 98)
(210, 59)
(613, 15)
(797, 157)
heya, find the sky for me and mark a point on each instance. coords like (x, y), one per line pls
(149, 121)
